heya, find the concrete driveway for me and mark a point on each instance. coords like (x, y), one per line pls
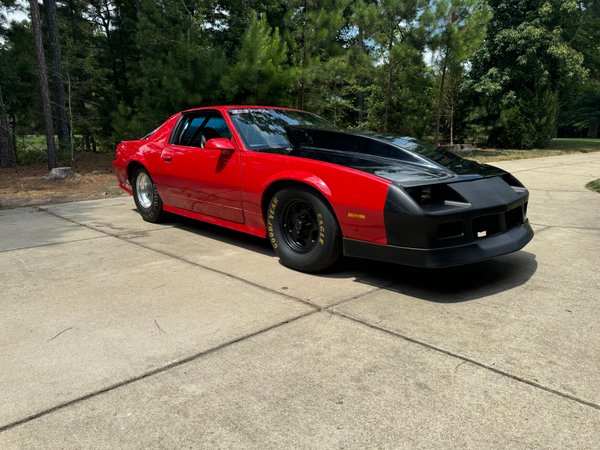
(119, 333)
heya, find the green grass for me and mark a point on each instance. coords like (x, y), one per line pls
(577, 144)
(558, 146)
(594, 185)
(31, 142)
(31, 149)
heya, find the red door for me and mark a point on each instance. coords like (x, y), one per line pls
(203, 180)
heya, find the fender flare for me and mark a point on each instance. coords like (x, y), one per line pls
(294, 176)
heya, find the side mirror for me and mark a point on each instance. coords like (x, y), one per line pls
(223, 144)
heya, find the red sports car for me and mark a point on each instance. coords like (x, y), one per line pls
(316, 191)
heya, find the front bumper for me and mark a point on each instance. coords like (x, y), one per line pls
(510, 241)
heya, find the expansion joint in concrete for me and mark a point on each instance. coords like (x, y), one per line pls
(517, 378)
(148, 374)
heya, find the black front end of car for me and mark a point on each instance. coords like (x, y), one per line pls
(441, 210)
(451, 224)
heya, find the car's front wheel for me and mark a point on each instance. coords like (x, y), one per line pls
(303, 230)
(145, 195)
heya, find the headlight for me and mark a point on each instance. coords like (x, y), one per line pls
(434, 194)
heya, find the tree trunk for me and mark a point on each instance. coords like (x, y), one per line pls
(388, 99)
(13, 129)
(7, 159)
(107, 27)
(440, 99)
(361, 102)
(304, 57)
(388, 88)
(69, 99)
(36, 25)
(452, 125)
(593, 129)
(361, 93)
(62, 128)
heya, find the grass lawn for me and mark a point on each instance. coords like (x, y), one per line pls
(32, 142)
(558, 146)
(32, 148)
(577, 144)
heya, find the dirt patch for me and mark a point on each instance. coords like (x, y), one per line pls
(26, 185)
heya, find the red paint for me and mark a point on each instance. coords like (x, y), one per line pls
(225, 184)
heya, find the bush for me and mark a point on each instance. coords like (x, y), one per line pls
(529, 124)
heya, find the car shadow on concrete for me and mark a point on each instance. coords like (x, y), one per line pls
(454, 284)
(447, 285)
(225, 235)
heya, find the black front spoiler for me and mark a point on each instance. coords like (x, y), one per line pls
(485, 248)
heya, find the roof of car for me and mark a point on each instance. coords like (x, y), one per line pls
(228, 107)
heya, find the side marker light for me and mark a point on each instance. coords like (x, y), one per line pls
(354, 215)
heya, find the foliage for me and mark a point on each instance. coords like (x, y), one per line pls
(526, 61)
(504, 72)
(531, 122)
(580, 112)
(581, 115)
(260, 74)
(410, 103)
(594, 185)
(458, 27)
(19, 78)
(171, 71)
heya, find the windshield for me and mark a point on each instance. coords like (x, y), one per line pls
(264, 129)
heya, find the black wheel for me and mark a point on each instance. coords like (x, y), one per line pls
(303, 230)
(146, 197)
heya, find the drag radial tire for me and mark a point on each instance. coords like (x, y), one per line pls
(303, 230)
(146, 197)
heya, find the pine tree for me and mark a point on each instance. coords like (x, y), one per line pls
(43, 76)
(6, 151)
(458, 28)
(260, 74)
(177, 66)
(62, 128)
(314, 27)
(393, 27)
(7, 75)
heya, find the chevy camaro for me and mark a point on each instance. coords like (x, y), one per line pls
(317, 192)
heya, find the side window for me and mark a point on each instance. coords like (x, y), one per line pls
(196, 129)
(189, 133)
(216, 128)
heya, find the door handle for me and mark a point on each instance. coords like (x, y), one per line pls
(166, 156)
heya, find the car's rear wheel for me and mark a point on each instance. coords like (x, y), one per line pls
(145, 195)
(303, 230)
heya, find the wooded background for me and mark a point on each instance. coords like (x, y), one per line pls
(512, 73)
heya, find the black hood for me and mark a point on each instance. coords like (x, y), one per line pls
(402, 160)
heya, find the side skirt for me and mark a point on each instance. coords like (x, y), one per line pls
(216, 221)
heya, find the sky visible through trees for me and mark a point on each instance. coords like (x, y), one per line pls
(512, 73)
